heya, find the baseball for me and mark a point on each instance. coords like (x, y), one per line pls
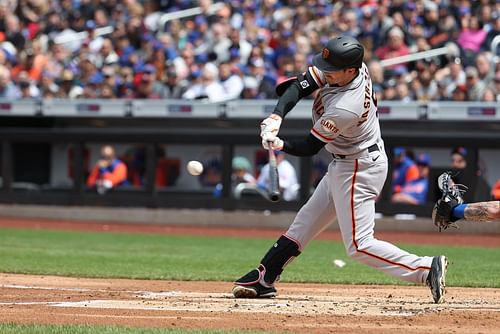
(194, 167)
(338, 263)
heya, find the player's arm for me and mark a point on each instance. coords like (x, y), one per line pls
(289, 92)
(481, 211)
(292, 90)
(303, 148)
(324, 131)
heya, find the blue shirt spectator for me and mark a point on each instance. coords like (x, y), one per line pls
(415, 191)
(405, 170)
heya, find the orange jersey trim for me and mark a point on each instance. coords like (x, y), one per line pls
(316, 133)
(353, 218)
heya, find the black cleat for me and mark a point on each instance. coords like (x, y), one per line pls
(253, 291)
(436, 278)
(249, 286)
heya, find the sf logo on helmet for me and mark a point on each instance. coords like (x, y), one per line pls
(325, 53)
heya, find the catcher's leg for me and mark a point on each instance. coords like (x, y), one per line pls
(259, 282)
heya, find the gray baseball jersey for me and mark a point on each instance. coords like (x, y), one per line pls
(345, 118)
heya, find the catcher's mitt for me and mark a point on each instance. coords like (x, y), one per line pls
(451, 197)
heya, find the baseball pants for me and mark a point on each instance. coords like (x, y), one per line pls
(347, 193)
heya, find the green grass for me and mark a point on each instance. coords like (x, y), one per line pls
(85, 254)
(80, 329)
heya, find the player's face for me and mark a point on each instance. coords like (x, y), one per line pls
(341, 77)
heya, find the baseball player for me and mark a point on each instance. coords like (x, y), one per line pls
(345, 122)
(451, 207)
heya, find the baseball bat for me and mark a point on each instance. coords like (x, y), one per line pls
(274, 187)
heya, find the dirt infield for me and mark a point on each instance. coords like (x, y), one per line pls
(299, 308)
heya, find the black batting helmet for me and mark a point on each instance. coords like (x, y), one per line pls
(340, 53)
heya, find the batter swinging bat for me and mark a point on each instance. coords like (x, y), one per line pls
(274, 187)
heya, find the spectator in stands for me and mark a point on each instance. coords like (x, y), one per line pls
(242, 171)
(265, 82)
(484, 69)
(107, 54)
(415, 191)
(250, 88)
(377, 76)
(67, 87)
(489, 95)
(173, 87)
(459, 158)
(27, 88)
(460, 93)
(495, 190)
(452, 75)
(146, 87)
(208, 88)
(475, 87)
(390, 93)
(252, 36)
(106, 92)
(496, 86)
(471, 37)
(48, 86)
(403, 93)
(108, 173)
(395, 47)
(465, 171)
(8, 89)
(288, 183)
(492, 33)
(231, 82)
(405, 170)
(427, 89)
(211, 177)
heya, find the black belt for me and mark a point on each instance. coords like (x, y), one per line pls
(372, 148)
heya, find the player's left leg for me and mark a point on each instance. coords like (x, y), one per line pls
(364, 181)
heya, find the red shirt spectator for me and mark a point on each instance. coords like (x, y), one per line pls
(495, 191)
(395, 47)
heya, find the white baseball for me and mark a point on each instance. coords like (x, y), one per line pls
(194, 167)
(338, 263)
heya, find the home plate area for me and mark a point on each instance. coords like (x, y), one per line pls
(291, 304)
(300, 308)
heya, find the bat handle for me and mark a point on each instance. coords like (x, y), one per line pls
(274, 192)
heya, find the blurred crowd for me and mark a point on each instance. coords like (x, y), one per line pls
(240, 49)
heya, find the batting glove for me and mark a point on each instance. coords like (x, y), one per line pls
(270, 127)
(276, 145)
